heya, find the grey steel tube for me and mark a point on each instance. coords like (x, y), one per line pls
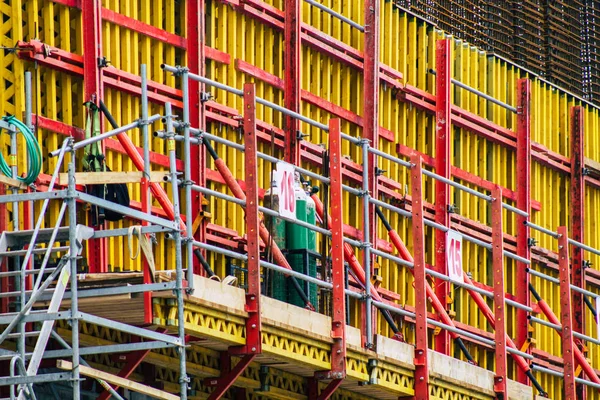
(124, 128)
(73, 265)
(264, 210)
(367, 246)
(559, 329)
(390, 157)
(479, 93)
(187, 173)
(555, 280)
(283, 110)
(542, 229)
(560, 374)
(336, 14)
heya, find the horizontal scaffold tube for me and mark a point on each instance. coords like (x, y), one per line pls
(265, 236)
(350, 258)
(547, 311)
(439, 308)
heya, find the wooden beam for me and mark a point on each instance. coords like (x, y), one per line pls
(98, 178)
(13, 182)
(116, 380)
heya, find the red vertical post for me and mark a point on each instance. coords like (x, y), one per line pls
(253, 325)
(292, 79)
(443, 128)
(499, 289)
(577, 215)
(196, 65)
(421, 359)
(93, 92)
(253, 344)
(338, 320)
(523, 176)
(371, 113)
(566, 317)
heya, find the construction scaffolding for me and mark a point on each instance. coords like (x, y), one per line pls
(428, 276)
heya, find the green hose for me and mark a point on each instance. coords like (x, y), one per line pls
(34, 152)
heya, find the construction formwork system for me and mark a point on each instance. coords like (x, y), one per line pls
(486, 139)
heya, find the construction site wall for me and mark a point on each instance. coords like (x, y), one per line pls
(245, 43)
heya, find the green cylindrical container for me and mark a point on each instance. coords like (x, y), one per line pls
(301, 244)
(277, 227)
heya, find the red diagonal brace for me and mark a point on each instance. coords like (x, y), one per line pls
(225, 382)
(421, 285)
(500, 384)
(137, 357)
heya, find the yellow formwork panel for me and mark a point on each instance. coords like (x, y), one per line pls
(407, 45)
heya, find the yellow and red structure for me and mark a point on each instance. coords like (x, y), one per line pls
(374, 85)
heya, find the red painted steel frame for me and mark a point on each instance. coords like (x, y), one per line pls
(499, 289)
(196, 64)
(338, 320)
(577, 215)
(421, 359)
(93, 91)
(292, 82)
(134, 359)
(443, 129)
(566, 317)
(253, 344)
(371, 111)
(523, 189)
(223, 384)
(253, 323)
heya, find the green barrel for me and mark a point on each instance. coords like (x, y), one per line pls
(301, 245)
(277, 226)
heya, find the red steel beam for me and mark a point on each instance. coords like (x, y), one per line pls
(566, 316)
(196, 63)
(577, 211)
(253, 323)
(253, 345)
(330, 389)
(223, 383)
(93, 92)
(523, 177)
(338, 319)
(371, 120)
(134, 359)
(443, 162)
(421, 285)
(500, 383)
(292, 76)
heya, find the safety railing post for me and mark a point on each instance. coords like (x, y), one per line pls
(523, 176)
(253, 339)
(577, 211)
(370, 136)
(566, 316)
(443, 129)
(421, 336)
(292, 70)
(338, 329)
(500, 384)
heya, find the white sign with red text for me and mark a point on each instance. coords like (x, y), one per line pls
(454, 256)
(284, 179)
